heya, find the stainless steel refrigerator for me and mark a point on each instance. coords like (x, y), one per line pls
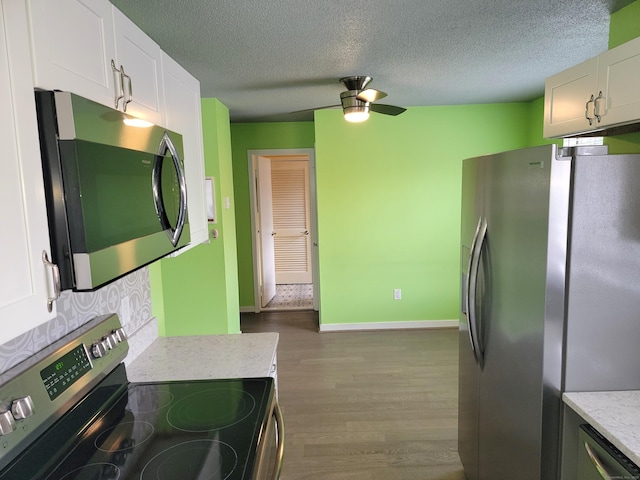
(550, 299)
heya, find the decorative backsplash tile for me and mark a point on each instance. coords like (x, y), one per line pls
(77, 308)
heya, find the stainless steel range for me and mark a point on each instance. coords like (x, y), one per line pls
(69, 412)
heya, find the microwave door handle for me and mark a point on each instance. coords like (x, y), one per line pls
(156, 183)
(182, 183)
(174, 233)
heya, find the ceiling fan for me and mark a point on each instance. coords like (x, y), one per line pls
(358, 100)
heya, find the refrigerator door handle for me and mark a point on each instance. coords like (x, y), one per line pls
(467, 286)
(467, 289)
(472, 284)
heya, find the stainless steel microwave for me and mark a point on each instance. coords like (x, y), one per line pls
(115, 191)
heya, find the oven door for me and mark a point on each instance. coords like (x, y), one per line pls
(271, 447)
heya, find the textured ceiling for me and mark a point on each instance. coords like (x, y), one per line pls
(266, 58)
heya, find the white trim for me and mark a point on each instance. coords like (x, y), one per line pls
(250, 309)
(349, 327)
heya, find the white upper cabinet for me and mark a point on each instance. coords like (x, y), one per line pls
(594, 95)
(618, 84)
(73, 46)
(26, 283)
(183, 115)
(90, 48)
(139, 58)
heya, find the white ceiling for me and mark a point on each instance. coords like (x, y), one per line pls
(266, 58)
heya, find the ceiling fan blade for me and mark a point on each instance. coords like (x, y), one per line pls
(370, 95)
(386, 109)
(315, 108)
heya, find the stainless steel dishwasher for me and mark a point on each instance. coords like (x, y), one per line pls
(598, 459)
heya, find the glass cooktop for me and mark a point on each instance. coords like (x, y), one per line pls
(161, 431)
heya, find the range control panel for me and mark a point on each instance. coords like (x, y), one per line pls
(36, 392)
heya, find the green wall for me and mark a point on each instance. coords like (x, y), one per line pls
(624, 25)
(196, 293)
(257, 136)
(536, 124)
(388, 193)
(389, 207)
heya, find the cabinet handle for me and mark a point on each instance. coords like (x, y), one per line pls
(596, 108)
(130, 96)
(120, 82)
(586, 110)
(56, 280)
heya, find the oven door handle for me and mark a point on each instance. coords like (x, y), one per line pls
(277, 413)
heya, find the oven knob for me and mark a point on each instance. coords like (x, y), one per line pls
(7, 422)
(22, 408)
(120, 334)
(98, 349)
(109, 342)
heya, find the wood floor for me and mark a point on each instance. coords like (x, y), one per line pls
(365, 405)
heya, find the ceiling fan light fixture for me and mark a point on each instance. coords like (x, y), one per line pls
(354, 109)
(356, 114)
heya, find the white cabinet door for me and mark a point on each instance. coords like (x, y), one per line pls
(73, 46)
(183, 115)
(24, 280)
(565, 100)
(618, 80)
(140, 58)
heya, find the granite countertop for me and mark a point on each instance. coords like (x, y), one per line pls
(246, 355)
(616, 415)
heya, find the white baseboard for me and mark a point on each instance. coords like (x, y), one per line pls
(250, 309)
(350, 327)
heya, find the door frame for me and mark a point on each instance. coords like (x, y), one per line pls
(252, 155)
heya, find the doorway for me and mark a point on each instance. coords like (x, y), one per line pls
(283, 221)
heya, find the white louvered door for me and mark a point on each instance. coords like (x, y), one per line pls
(291, 220)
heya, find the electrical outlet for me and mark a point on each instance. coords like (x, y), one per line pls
(125, 311)
(397, 294)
